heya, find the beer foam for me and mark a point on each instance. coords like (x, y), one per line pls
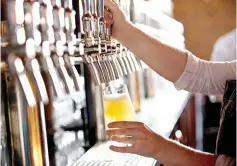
(116, 96)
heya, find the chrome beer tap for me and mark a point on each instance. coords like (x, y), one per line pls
(105, 44)
(115, 60)
(60, 41)
(120, 60)
(45, 38)
(101, 49)
(17, 38)
(31, 63)
(65, 40)
(27, 132)
(130, 60)
(90, 49)
(111, 50)
(136, 61)
(122, 55)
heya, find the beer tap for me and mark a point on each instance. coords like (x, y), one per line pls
(101, 48)
(90, 47)
(97, 60)
(130, 60)
(44, 24)
(136, 61)
(60, 41)
(31, 63)
(69, 27)
(115, 60)
(120, 60)
(115, 69)
(122, 55)
(15, 18)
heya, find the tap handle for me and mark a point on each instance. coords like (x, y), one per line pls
(58, 21)
(86, 6)
(93, 7)
(100, 8)
(17, 68)
(68, 4)
(34, 68)
(100, 72)
(15, 18)
(46, 23)
(93, 70)
(114, 66)
(119, 68)
(56, 3)
(124, 58)
(72, 72)
(28, 11)
(102, 23)
(70, 25)
(130, 60)
(105, 70)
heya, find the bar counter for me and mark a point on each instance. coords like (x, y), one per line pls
(160, 113)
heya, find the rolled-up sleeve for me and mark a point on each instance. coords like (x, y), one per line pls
(201, 76)
(224, 160)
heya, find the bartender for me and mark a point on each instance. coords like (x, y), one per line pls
(187, 72)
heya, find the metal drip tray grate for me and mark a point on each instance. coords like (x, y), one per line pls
(100, 155)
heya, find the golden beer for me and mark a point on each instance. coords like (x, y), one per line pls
(118, 106)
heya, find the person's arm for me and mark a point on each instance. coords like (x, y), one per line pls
(163, 59)
(169, 62)
(147, 143)
(206, 77)
(178, 66)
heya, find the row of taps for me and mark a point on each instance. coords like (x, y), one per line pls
(43, 47)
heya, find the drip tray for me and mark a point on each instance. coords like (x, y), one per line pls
(100, 155)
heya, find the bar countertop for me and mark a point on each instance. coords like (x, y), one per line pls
(160, 113)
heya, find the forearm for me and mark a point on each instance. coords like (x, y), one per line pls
(163, 59)
(173, 153)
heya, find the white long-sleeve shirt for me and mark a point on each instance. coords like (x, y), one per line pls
(209, 78)
(201, 76)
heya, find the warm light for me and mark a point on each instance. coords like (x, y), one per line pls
(19, 11)
(178, 134)
(19, 65)
(49, 15)
(61, 17)
(51, 35)
(30, 48)
(20, 33)
(36, 13)
(28, 18)
(37, 37)
(67, 22)
(46, 48)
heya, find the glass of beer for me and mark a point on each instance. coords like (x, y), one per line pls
(117, 104)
